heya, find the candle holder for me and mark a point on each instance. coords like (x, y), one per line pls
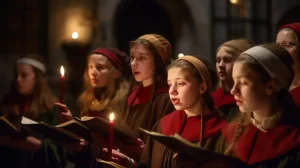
(76, 54)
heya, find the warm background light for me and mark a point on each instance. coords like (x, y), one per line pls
(77, 26)
(180, 55)
(75, 35)
(234, 2)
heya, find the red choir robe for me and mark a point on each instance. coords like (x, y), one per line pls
(225, 103)
(279, 147)
(157, 155)
(141, 112)
(296, 95)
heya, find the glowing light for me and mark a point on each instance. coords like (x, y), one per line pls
(234, 2)
(75, 35)
(111, 116)
(62, 71)
(180, 55)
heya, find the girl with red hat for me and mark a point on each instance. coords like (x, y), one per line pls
(288, 37)
(106, 85)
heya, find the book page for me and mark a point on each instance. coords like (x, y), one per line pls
(181, 139)
(86, 118)
(8, 122)
(66, 123)
(151, 132)
(101, 126)
(27, 121)
(113, 164)
(179, 144)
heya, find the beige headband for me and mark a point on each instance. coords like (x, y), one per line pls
(163, 52)
(271, 63)
(32, 62)
(201, 68)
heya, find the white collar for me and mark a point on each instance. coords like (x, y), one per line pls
(266, 123)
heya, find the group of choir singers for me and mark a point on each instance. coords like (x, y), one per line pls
(247, 108)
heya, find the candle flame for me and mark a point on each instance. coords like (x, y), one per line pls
(75, 35)
(180, 55)
(62, 70)
(111, 116)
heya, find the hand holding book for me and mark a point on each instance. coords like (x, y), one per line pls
(118, 159)
(132, 148)
(75, 127)
(190, 153)
(8, 129)
(56, 134)
(122, 133)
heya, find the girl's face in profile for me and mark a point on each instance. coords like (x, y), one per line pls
(25, 79)
(142, 64)
(98, 70)
(249, 91)
(224, 63)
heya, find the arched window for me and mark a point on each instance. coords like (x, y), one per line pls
(240, 19)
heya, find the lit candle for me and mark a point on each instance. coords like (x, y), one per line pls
(111, 135)
(62, 84)
(180, 55)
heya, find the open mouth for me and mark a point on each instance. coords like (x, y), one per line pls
(175, 101)
(238, 102)
(136, 73)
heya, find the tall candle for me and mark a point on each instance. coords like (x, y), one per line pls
(111, 135)
(62, 84)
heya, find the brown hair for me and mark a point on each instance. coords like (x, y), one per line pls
(237, 46)
(283, 98)
(193, 72)
(114, 92)
(160, 48)
(42, 96)
(160, 74)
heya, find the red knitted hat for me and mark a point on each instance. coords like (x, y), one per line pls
(120, 60)
(293, 26)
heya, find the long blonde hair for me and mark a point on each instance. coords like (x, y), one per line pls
(115, 91)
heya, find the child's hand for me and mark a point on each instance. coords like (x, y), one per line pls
(132, 148)
(65, 114)
(118, 158)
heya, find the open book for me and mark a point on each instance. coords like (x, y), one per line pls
(101, 126)
(113, 164)
(54, 133)
(75, 127)
(8, 129)
(191, 150)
